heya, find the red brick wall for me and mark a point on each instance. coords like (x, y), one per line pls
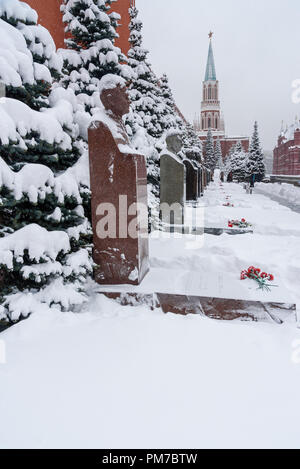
(227, 144)
(51, 17)
(287, 156)
(122, 7)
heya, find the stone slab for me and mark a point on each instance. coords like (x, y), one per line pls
(214, 308)
(191, 181)
(172, 190)
(206, 230)
(220, 231)
(2, 89)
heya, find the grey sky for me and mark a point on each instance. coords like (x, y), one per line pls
(256, 46)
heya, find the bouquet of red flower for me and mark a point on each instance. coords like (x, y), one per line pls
(228, 204)
(260, 277)
(239, 223)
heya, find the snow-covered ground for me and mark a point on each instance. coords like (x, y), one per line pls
(211, 265)
(121, 377)
(285, 191)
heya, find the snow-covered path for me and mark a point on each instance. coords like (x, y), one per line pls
(285, 194)
(123, 377)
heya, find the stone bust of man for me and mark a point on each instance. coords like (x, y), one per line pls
(115, 100)
(174, 142)
(116, 103)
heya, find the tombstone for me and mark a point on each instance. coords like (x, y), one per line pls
(191, 181)
(198, 167)
(2, 89)
(172, 190)
(200, 188)
(172, 182)
(203, 180)
(2, 278)
(119, 194)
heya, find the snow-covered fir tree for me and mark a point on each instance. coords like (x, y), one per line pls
(147, 102)
(255, 164)
(210, 151)
(35, 87)
(228, 160)
(218, 155)
(172, 118)
(87, 22)
(237, 162)
(91, 51)
(192, 145)
(44, 231)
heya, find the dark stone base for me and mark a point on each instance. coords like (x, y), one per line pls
(214, 308)
(4, 326)
(230, 231)
(201, 231)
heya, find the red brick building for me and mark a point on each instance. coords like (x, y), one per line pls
(211, 116)
(50, 16)
(286, 160)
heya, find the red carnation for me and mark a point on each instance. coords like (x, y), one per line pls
(271, 277)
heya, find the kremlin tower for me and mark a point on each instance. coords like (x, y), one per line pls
(210, 107)
(211, 115)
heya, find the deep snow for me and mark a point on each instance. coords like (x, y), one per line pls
(124, 377)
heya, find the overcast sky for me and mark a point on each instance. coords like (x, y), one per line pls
(256, 47)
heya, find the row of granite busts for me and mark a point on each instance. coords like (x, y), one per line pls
(181, 181)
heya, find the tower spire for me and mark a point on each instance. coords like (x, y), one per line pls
(210, 106)
(210, 74)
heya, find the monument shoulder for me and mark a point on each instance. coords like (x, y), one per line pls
(172, 155)
(103, 129)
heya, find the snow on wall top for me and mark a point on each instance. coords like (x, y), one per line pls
(289, 133)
